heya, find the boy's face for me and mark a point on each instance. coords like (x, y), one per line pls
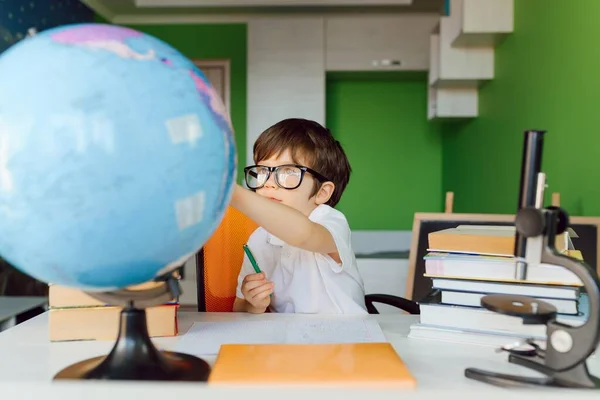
(299, 198)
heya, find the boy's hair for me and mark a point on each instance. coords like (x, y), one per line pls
(313, 144)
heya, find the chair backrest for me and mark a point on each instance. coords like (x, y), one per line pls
(218, 263)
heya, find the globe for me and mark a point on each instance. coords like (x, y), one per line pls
(117, 157)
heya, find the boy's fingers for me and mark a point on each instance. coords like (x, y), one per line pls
(260, 289)
(254, 277)
(263, 294)
(248, 286)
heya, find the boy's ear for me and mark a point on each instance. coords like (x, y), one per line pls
(324, 193)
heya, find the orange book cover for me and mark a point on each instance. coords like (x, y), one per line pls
(492, 240)
(344, 364)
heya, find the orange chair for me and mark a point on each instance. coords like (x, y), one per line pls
(218, 265)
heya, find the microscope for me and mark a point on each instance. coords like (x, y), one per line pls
(563, 361)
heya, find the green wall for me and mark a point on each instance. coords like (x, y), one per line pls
(215, 41)
(395, 153)
(546, 78)
(380, 118)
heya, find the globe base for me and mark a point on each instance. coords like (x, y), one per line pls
(134, 357)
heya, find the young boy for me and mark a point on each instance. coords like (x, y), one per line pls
(303, 246)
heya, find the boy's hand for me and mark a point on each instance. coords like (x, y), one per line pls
(257, 290)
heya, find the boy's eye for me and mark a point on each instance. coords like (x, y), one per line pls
(288, 170)
(262, 173)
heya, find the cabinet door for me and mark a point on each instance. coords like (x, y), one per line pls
(372, 43)
(286, 72)
(452, 102)
(217, 73)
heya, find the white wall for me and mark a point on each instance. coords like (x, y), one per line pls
(286, 73)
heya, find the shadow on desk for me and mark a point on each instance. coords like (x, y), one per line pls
(21, 296)
(24, 316)
(17, 309)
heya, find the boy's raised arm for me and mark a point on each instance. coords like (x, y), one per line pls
(284, 222)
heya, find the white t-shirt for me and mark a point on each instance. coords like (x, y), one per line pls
(308, 282)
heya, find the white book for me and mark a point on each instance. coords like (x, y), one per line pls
(521, 288)
(474, 300)
(481, 319)
(465, 266)
(466, 336)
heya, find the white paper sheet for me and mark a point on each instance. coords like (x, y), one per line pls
(205, 338)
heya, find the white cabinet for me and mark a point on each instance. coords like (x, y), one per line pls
(288, 56)
(483, 22)
(378, 42)
(454, 102)
(458, 65)
(286, 72)
(434, 56)
(448, 102)
(462, 51)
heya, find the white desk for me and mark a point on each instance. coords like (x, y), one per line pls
(29, 361)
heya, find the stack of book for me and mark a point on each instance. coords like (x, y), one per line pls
(468, 262)
(75, 315)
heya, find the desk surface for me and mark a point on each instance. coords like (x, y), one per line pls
(28, 357)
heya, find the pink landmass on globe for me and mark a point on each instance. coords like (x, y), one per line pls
(112, 38)
(94, 33)
(103, 37)
(215, 100)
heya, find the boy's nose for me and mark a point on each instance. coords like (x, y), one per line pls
(270, 183)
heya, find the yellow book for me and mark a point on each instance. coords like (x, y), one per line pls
(102, 323)
(346, 364)
(576, 254)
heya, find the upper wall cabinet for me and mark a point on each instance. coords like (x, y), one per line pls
(378, 43)
(462, 53)
(483, 22)
(459, 66)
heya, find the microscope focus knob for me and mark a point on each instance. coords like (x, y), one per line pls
(562, 219)
(530, 222)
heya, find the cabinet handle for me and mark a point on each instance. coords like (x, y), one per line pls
(386, 63)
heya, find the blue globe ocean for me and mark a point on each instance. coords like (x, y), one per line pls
(117, 157)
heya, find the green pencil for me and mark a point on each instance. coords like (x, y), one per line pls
(252, 260)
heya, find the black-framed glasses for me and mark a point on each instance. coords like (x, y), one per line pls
(288, 176)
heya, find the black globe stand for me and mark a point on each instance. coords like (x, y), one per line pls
(134, 356)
